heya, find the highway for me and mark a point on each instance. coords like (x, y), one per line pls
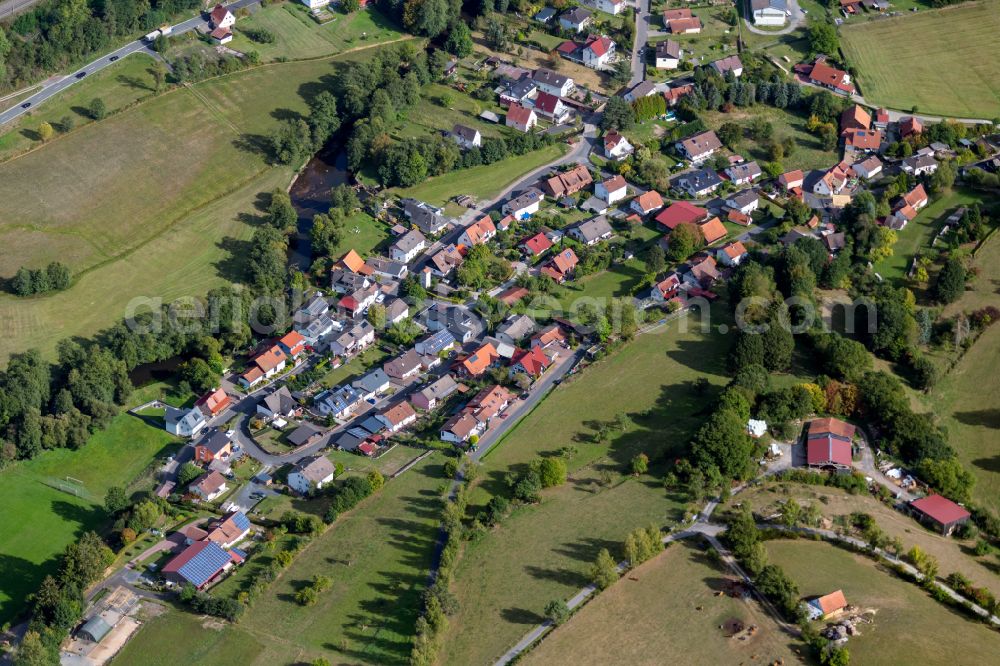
(57, 86)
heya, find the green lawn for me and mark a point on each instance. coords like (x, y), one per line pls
(808, 154)
(959, 79)
(717, 38)
(118, 85)
(916, 237)
(378, 557)
(917, 628)
(428, 115)
(672, 613)
(355, 368)
(38, 521)
(541, 552)
(298, 36)
(482, 182)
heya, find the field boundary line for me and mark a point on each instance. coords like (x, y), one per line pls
(214, 110)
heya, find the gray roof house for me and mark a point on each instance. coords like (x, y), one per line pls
(340, 402)
(436, 342)
(311, 473)
(318, 329)
(406, 365)
(428, 219)
(515, 329)
(396, 311)
(184, 422)
(591, 231)
(280, 403)
(374, 382)
(408, 246)
(304, 434)
(395, 270)
(700, 182)
(575, 19)
(466, 137)
(316, 307)
(431, 395)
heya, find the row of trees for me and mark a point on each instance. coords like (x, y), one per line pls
(28, 282)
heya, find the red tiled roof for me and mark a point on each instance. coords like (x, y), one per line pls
(293, 340)
(218, 14)
(537, 244)
(534, 361)
(481, 359)
(828, 450)
(941, 509)
(830, 76)
(791, 177)
(738, 217)
(513, 295)
(546, 102)
(599, 45)
(567, 47)
(479, 231)
(910, 125)
(213, 402)
(683, 24)
(270, 359)
(649, 201)
(565, 261)
(521, 115)
(713, 230)
(855, 116)
(672, 14)
(679, 212)
(915, 196)
(734, 250)
(352, 261)
(832, 426)
(863, 138)
(831, 603)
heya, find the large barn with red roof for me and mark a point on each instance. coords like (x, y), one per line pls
(828, 444)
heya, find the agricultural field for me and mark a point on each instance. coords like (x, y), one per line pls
(953, 554)
(378, 557)
(909, 625)
(666, 612)
(119, 85)
(298, 36)
(482, 182)
(961, 79)
(164, 223)
(40, 520)
(808, 154)
(972, 425)
(541, 552)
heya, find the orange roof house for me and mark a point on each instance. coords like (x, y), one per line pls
(213, 403)
(479, 361)
(548, 335)
(647, 202)
(569, 182)
(292, 343)
(713, 230)
(830, 77)
(917, 197)
(910, 125)
(792, 179)
(679, 212)
(827, 605)
(353, 262)
(862, 139)
(561, 265)
(855, 117)
(533, 362)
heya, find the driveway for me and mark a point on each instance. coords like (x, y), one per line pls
(796, 19)
(58, 85)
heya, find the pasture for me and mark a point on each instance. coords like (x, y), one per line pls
(933, 60)
(542, 552)
(909, 625)
(665, 612)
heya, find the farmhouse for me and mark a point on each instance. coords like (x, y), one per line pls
(701, 146)
(521, 118)
(668, 54)
(826, 606)
(616, 146)
(569, 182)
(855, 117)
(311, 474)
(940, 513)
(828, 444)
(466, 137)
(769, 12)
(862, 140)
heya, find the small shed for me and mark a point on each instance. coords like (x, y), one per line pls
(95, 629)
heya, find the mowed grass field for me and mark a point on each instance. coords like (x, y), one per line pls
(540, 553)
(968, 398)
(39, 521)
(910, 627)
(298, 36)
(665, 612)
(936, 60)
(157, 201)
(378, 557)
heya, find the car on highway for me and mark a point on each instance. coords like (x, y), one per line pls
(26, 105)
(112, 58)
(80, 75)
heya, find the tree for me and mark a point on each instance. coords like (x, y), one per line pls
(290, 142)
(604, 571)
(496, 33)
(32, 652)
(115, 500)
(778, 344)
(730, 134)
(618, 115)
(350, 6)
(640, 464)
(552, 472)
(375, 480)
(823, 38)
(950, 282)
(324, 120)
(621, 72)
(307, 596)
(459, 42)
(376, 315)
(188, 473)
(46, 132)
(684, 240)
(557, 611)
(845, 358)
(199, 374)
(66, 124)
(280, 213)
(97, 109)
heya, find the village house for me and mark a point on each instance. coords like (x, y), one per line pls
(201, 564)
(306, 433)
(460, 428)
(791, 180)
(316, 307)
(551, 107)
(208, 486)
(598, 52)
(339, 402)
(575, 20)
(477, 363)
(264, 366)
(681, 212)
(769, 12)
(374, 383)
(292, 343)
(221, 21)
(561, 266)
(311, 474)
(713, 230)
(592, 231)
(668, 54)
(666, 289)
(351, 262)
(435, 393)
(279, 404)
(408, 246)
(346, 282)
(828, 444)
(479, 232)
(429, 219)
(521, 118)
(445, 260)
(746, 201)
(674, 95)
(642, 89)
(647, 202)
(353, 340)
(396, 311)
(868, 168)
(515, 329)
(699, 183)
(525, 204)
(681, 22)
(382, 267)
(732, 254)
(356, 303)
(408, 364)
(832, 182)
(184, 422)
(616, 146)
(552, 334)
(613, 7)
(456, 320)
(611, 190)
(881, 119)
(700, 147)
(466, 137)
(532, 362)
(826, 606)
(862, 140)
(512, 295)
(213, 403)
(214, 446)
(435, 343)
(398, 416)
(940, 513)
(552, 82)
(910, 126)
(315, 332)
(743, 173)
(728, 64)
(545, 15)
(536, 245)
(919, 165)
(518, 91)
(835, 242)
(855, 117)
(568, 182)
(228, 530)
(822, 74)
(702, 272)
(476, 416)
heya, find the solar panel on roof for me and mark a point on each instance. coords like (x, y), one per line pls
(204, 565)
(241, 521)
